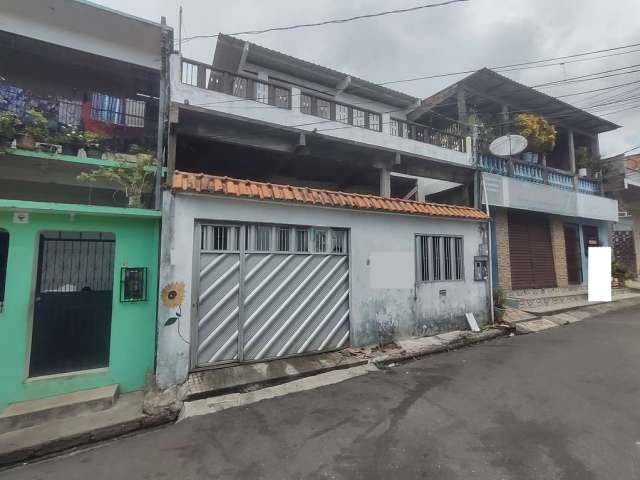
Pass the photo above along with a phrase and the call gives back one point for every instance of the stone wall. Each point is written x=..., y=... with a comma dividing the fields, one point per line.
x=502, y=249
x=556, y=227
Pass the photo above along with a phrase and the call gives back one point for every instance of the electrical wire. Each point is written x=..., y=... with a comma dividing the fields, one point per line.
x=329, y=22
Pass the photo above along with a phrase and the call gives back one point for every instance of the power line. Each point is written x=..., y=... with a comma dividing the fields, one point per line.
x=589, y=77
x=334, y=21
x=630, y=150
x=598, y=89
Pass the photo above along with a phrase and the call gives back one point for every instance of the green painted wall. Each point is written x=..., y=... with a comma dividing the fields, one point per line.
x=133, y=324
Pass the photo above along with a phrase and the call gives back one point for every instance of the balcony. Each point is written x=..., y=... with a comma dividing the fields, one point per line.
x=535, y=173
x=275, y=102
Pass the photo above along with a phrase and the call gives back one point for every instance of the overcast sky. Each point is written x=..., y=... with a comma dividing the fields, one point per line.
x=446, y=39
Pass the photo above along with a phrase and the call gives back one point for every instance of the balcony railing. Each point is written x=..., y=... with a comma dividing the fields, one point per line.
x=425, y=134
x=94, y=121
x=535, y=173
x=278, y=94
x=201, y=75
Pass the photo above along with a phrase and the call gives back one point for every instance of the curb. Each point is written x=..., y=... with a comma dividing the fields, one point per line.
x=467, y=339
x=69, y=443
x=572, y=316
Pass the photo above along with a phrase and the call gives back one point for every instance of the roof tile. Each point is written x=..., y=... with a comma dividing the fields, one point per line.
x=248, y=188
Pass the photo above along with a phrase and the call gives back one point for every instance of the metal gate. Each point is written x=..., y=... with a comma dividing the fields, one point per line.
x=269, y=291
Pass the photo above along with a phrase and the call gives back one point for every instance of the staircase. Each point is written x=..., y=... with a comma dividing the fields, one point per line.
x=549, y=301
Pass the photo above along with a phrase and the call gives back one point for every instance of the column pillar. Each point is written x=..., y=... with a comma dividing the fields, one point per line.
x=572, y=152
x=462, y=108
x=385, y=180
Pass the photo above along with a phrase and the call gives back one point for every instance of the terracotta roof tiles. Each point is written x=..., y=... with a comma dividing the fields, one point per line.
x=265, y=191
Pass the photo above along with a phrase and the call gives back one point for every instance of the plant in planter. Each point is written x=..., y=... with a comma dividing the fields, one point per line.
x=95, y=143
x=8, y=126
x=132, y=178
x=35, y=130
x=71, y=139
x=540, y=134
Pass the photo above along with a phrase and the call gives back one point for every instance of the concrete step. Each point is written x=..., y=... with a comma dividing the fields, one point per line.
x=62, y=434
x=242, y=378
x=35, y=412
x=552, y=309
x=559, y=297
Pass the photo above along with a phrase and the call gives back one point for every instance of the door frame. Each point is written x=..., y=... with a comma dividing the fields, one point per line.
x=577, y=229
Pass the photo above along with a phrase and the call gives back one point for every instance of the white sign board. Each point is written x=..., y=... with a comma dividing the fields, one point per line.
x=391, y=270
x=599, y=274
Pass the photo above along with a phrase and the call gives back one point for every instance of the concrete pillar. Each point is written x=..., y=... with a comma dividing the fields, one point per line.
x=462, y=109
x=504, y=116
x=572, y=152
x=595, y=147
x=385, y=180
x=502, y=249
x=559, y=250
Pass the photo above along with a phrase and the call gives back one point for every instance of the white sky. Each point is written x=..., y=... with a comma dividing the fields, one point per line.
x=446, y=39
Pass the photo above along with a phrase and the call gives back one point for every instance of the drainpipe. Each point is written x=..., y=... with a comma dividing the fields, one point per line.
x=162, y=111
x=490, y=250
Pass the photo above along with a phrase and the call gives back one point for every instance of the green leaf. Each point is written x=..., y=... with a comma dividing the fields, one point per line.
x=170, y=321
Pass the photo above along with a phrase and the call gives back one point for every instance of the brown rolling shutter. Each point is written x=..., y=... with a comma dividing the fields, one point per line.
x=530, y=251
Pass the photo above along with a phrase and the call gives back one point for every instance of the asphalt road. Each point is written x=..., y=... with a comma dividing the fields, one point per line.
x=562, y=404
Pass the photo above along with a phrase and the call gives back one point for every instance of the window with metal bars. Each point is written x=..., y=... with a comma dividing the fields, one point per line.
x=320, y=240
x=215, y=237
x=263, y=238
x=283, y=238
x=133, y=284
x=302, y=240
x=439, y=258
x=338, y=241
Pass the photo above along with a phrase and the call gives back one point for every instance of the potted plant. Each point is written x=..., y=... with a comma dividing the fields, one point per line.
x=583, y=161
x=132, y=178
x=8, y=124
x=35, y=130
x=71, y=139
x=540, y=134
x=95, y=144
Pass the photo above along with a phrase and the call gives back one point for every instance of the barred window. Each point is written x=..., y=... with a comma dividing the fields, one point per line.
x=358, y=117
x=374, y=122
x=324, y=109
x=305, y=104
x=338, y=241
x=439, y=258
x=283, y=239
x=320, y=240
x=342, y=113
x=302, y=240
x=215, y=237
x=263, y=237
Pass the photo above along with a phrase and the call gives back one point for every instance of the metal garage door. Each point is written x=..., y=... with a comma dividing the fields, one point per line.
x=530, y=251
x=269, y=291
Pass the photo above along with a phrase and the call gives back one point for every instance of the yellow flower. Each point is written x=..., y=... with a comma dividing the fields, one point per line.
x=173, y=294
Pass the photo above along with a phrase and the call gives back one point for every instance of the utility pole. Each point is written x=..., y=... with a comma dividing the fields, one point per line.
x=162, y=109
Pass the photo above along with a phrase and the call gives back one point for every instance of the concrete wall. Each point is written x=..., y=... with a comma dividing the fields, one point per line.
x=512, y=193
x=294, y=118
x=85, y=27
x=502, y=249
x=556, y=227
x=132, y=326
x=382, y=258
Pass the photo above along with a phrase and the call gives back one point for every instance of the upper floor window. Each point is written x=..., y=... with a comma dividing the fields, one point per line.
x=439, y=258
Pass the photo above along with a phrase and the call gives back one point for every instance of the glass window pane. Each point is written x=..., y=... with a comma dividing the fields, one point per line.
x=374, y=122
x=342, y=113
x=305, y=104
x=240, y=87
x=262, y=92
x=282, y=97
x=324, y=109
x=394, y=128
x=358, y=118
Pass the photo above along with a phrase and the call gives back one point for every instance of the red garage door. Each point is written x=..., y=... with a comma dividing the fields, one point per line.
x=530, y=251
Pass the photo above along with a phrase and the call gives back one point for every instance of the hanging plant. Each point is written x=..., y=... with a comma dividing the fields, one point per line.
x=132, y=178
x=540, y=134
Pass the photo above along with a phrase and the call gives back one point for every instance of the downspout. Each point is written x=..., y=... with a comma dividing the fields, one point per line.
x=490, y=250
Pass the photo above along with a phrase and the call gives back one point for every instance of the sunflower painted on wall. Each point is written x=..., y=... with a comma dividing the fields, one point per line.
x=172, y=297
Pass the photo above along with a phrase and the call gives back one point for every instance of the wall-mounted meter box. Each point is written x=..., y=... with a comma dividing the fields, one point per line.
x=480, y=268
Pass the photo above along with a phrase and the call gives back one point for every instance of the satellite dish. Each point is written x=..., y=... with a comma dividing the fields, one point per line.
x=508, y=145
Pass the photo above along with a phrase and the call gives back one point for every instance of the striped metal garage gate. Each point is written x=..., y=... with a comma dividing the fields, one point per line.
x=269, y=291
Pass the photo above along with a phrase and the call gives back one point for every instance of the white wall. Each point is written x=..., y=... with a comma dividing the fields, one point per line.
x=84, y=27
x=382, y=258
x=512, y=193
x=231, y=105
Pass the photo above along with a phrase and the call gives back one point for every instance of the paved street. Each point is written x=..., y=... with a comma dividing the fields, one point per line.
x=562, y=404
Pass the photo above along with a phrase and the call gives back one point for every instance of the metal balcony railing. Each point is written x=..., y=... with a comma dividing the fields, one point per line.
x=198, y=74
x=535, y=173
